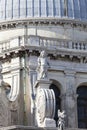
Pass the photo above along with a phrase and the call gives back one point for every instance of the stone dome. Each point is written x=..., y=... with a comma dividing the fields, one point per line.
x=15, y=9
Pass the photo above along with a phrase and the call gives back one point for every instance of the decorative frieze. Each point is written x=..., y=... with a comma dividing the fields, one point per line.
x=9, y=24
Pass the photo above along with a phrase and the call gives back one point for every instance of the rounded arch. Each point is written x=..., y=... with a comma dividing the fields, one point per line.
x=82, y=84
x=58, y=84
x=82, y=105
x=57, y=90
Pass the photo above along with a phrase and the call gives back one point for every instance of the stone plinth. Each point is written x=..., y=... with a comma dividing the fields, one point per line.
x=18, y=127
x=49, y=123
x=43, y=83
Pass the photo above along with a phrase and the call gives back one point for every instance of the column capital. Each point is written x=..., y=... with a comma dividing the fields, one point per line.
x=69, y=72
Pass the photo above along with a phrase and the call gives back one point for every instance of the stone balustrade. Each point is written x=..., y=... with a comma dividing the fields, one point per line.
x=11, y=44
x=58, y=43
x=42, y=42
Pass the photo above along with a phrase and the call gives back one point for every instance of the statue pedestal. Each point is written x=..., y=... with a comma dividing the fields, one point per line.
x=43, y=84
x=49, y=123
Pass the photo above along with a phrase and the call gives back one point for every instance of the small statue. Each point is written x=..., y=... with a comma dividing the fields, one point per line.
x=43, y=65
x=61, y=122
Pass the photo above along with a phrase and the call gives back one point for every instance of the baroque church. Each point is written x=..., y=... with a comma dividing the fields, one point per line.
x=43, y=64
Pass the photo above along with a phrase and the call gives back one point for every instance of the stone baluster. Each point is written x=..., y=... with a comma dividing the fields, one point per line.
x=45, y=42
x=70, y=45
x=84, y=46
x=79, y=46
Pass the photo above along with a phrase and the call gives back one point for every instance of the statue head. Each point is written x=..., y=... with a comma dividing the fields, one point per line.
x=43, y=53
x=61, y=114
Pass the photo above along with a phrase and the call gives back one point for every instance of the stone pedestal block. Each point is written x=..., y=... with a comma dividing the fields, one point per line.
x=49, y=123
x=43, y=84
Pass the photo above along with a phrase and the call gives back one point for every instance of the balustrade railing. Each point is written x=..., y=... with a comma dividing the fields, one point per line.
x=41, y=42
x=56, y=43
x=11, y=44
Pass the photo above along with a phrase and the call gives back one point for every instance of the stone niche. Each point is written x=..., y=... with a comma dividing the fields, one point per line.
x=5, y=115
x=8, y=111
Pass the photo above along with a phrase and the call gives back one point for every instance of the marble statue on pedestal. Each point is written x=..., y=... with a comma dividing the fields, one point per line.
x=43, y=65
x=61, y=122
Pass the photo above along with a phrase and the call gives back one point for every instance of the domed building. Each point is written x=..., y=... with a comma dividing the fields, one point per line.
x=43, y=50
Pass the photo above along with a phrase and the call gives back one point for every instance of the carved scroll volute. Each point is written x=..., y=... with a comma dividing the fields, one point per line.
x=45, y=105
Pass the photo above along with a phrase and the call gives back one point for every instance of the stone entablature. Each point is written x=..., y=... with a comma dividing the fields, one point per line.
x=8, y=24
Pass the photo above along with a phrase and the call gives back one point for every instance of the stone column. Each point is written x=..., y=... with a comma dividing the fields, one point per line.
x=70, y=100
x=27, y=92
x=32, y=79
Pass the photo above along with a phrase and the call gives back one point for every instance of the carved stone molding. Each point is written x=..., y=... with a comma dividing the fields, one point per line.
x=8, y=24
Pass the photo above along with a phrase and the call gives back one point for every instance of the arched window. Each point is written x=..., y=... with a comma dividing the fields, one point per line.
x=82, y=106
x=58, y=101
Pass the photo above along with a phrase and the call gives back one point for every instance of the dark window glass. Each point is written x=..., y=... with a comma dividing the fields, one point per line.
x=58, y=101
x=82, y=106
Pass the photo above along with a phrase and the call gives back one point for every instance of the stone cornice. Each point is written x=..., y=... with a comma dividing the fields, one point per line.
x=18, y=51
x=8, y=24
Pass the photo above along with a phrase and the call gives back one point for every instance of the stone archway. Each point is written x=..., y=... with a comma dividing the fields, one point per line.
x=82, y=106
x=57, y=92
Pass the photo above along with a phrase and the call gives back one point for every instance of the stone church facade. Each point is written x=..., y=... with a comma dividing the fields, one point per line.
x=59, y=28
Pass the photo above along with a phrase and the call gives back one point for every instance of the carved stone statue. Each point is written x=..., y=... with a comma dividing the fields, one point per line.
x=61, y=122
x=43, y=66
